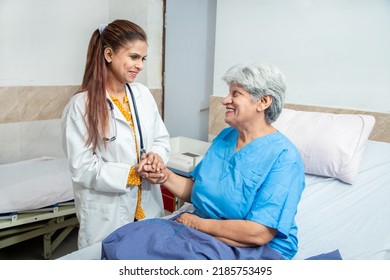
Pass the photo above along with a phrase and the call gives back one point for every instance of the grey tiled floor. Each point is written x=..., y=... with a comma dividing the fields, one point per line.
x=32, y=249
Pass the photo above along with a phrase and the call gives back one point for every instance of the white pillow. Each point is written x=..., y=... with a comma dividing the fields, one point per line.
x=331, y=145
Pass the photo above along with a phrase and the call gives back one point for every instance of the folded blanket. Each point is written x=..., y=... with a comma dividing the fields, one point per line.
x=334, y=255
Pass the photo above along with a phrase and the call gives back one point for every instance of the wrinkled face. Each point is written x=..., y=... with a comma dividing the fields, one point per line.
x=125, y=64
x=241, y=110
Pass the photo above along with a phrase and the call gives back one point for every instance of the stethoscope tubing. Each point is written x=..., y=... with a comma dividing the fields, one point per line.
x=142, y=149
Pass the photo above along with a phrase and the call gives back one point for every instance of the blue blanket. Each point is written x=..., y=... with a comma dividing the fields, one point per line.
x=333, y=255
x=163, y=239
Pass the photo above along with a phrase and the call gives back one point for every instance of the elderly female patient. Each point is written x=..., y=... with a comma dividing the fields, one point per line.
x=245, y=191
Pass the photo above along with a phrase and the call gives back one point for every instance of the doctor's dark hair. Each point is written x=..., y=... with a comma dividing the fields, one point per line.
x=114, y=35
x=260, y=80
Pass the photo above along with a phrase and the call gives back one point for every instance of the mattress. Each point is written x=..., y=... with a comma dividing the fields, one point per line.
x=351, y=218
x=332, y=215
x=33, y=184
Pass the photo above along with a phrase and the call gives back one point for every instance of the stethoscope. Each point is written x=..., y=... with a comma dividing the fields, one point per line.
x=113, y=122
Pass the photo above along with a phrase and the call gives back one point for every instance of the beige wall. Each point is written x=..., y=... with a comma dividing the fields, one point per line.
x=34, y=103
x=381, y=131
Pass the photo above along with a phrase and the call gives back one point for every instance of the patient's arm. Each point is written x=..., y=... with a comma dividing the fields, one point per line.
x=241, y=233
x=178, y=185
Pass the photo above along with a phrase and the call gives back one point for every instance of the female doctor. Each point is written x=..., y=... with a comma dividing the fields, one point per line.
x=108, y=127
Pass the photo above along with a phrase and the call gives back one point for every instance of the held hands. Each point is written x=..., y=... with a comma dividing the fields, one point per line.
x=152, y=168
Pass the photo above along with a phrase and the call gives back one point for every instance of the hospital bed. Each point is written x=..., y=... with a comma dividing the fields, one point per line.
x=36, y=199
x=345, y=206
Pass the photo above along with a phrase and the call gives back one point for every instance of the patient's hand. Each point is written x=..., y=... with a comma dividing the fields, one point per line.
x=190, y=220
x=156, y=177
x=152, y=168
x=150, y=162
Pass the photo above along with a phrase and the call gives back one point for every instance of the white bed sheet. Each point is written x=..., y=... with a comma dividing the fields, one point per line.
x=33, y=184
x=333, y=215
x=351, y=218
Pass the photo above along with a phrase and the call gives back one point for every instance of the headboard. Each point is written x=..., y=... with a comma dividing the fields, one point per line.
x=380, y=132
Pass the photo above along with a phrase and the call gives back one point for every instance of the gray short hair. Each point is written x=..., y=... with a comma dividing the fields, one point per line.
x=260, y=80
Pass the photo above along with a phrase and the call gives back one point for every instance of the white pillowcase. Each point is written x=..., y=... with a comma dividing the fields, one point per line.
x=331, y=145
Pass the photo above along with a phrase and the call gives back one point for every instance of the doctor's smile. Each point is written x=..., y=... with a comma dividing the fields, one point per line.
x=133, y=74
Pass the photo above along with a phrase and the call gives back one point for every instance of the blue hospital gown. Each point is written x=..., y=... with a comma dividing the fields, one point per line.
x=262, y=182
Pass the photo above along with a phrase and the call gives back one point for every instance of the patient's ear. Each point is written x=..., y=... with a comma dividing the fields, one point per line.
x=264, y=102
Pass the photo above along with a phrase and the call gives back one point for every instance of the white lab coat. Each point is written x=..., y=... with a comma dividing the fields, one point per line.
x=103, y=201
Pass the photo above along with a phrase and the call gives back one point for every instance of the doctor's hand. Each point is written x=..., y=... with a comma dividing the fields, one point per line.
x=152, y=168
x=156, y=177
x=151, y=162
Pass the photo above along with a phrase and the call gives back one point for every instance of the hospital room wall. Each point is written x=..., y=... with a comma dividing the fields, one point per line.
x=188, y=73
x=334, y=53
x=43, y=47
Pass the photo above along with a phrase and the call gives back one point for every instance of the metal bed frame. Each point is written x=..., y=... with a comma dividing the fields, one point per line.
x=54, y=223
